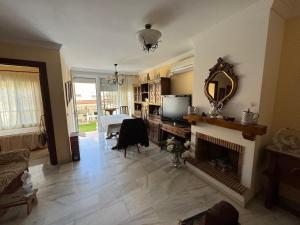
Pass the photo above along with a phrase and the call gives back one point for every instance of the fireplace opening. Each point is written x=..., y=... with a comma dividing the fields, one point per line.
x=219, y=157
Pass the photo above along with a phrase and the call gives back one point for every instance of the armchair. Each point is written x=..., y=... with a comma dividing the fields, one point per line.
x=12, y=166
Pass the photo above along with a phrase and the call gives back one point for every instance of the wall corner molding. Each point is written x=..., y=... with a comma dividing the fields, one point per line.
x=32, y=43
x=286, y=8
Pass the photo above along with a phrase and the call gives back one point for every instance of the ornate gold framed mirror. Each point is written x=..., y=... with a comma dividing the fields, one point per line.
x=221, y=84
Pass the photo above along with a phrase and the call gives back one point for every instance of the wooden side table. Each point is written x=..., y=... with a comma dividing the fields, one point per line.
x=16, y=199
x=74, y=141
x=283, y=168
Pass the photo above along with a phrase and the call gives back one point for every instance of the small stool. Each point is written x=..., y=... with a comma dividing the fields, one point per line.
x=16, y=199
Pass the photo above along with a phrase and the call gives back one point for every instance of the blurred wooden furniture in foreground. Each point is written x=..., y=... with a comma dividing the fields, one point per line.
x=283, y=168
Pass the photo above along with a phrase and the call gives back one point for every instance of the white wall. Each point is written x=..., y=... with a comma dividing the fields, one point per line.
x=251, y=41
x=240, y=40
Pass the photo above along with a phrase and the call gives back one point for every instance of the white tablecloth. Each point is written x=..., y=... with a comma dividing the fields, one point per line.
x=112, y=123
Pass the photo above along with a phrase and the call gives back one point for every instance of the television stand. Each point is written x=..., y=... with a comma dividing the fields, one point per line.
x=181, y=132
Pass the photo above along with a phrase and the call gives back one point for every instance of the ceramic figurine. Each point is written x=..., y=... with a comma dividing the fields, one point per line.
x=216, y=111
x=192, y=110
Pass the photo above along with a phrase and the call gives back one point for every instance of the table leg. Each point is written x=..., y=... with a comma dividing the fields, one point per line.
x=3, y=211
x=30, y=202
x=272, y=193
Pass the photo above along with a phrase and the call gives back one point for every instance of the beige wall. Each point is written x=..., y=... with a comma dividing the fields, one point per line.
x=66, y=74
x=181, y=84
x=52, y=59
x=271, y=71
x=287, y=104
x=287, y=98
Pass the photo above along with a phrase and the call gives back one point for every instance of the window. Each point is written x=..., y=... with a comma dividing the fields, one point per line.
x=109, y=95
x=20, y=100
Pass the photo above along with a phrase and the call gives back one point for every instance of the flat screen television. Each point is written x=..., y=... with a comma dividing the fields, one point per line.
x=175, y=106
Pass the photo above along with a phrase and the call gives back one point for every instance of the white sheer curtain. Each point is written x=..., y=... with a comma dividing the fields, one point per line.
x=126, y=93
x=20, y=100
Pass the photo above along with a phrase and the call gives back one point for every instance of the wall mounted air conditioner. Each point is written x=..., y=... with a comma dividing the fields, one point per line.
x=182, y=66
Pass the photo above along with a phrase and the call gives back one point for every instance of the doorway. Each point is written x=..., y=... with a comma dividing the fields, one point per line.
x=45, y=96
x=86, y=108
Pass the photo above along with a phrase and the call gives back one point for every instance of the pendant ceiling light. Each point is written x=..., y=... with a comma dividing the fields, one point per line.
x=149, y=38
x=116, y=79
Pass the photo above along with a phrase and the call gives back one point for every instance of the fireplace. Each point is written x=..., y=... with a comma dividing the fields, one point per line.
x=222, y=155
x=220, y=159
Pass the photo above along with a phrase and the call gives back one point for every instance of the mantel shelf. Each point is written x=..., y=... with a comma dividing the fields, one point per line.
x=249, y=132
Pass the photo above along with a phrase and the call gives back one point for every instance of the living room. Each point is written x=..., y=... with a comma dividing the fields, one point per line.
x=173, y=87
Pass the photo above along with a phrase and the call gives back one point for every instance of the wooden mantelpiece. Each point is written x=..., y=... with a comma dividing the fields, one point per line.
x=249, y=132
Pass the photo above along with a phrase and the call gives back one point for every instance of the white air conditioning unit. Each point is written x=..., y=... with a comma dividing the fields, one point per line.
x=182, y=66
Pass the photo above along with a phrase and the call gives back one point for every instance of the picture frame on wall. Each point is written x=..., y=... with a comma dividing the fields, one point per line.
x=68, y=91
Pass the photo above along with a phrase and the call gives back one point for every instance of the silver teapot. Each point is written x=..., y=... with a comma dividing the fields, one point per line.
x=249, y=117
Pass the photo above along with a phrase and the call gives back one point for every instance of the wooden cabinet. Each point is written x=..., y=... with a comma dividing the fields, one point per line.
x=150, y=91
x=154, y=131
x=158, y=93
x=137, y=93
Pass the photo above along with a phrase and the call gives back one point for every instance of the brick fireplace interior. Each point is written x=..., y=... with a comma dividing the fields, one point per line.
x=220, y=159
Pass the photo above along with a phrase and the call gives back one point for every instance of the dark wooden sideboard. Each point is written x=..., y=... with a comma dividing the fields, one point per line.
x=158, y=130
x=282, y=168
x=182, y=133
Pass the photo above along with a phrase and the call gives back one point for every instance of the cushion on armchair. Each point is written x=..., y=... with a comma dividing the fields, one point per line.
x=12, y=165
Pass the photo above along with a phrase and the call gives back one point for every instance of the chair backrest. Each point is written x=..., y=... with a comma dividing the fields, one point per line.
x=133, y=131
x=124, y=110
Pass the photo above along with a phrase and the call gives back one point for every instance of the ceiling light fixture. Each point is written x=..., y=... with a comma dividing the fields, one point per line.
x=149, y=38
x=116, y=79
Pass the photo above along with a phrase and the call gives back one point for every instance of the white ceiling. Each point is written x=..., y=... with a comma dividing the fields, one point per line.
x=95, y=34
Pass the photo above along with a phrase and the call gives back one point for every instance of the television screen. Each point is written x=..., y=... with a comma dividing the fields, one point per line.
x=175, y=106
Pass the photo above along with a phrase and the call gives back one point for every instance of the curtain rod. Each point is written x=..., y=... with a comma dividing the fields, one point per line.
x=18, y=71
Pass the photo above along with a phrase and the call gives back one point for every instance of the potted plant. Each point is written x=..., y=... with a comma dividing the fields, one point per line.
x=176, y=148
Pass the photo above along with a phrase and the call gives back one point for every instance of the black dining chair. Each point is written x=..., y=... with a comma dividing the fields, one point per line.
x=124, y=110
x=132, y=132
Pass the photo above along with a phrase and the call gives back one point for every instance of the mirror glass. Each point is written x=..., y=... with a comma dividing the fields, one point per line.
x=220, y=86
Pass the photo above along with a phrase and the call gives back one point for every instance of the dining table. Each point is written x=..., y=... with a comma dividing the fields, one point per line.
x=111, y=124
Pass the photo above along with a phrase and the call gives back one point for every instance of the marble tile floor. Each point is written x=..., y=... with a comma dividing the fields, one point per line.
x=105, y=188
